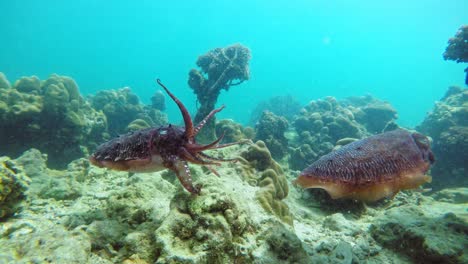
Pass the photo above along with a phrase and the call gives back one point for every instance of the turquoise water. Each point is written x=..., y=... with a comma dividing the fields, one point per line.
x=309, y=49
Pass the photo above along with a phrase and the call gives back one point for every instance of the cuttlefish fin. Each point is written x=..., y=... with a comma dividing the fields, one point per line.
x=182, y=170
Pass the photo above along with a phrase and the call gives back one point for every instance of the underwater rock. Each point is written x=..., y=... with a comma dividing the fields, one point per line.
x=270, y=129
x=286, y=245
x=50, y=116
x=425, y=239
x=285, y=106
x=48, y=183
x=453, y=195
x=259, y=169
x=43, y=242
x=13, y=185
x=447, y=125
x=207, y=228
x=4, y=83
x=221, y=68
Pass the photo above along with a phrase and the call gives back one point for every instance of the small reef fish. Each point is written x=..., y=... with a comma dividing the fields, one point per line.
x=158, y=148
x=372, y=168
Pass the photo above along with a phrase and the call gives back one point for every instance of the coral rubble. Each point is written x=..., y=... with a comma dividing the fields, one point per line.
x=221, y=68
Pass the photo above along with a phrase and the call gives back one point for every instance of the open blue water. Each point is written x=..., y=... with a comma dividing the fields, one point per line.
x=306, y=48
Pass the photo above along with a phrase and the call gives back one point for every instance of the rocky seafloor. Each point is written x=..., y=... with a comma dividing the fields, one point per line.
x=250, y=214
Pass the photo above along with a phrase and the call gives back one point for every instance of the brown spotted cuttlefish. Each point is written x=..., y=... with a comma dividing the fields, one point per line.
x=158, y=148
x=372, y=168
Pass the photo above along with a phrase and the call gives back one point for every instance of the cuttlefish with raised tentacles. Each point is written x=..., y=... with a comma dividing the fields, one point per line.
x=166, y=147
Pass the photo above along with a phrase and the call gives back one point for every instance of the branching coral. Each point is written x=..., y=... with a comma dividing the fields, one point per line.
x=221, y=68
x=457, y=49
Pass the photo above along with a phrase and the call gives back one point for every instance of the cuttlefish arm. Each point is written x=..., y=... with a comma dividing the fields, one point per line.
x=182, y=170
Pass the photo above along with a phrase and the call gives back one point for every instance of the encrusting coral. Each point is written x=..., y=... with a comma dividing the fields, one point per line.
x=221, y=68
x=457, y=49
x=259, y=169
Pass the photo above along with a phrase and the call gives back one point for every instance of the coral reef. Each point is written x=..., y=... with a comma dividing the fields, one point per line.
x=49, y=115
x=286, y=106
x=323, y=122
x=221, y=68
x=122, y=108
x=457, y=49
x=259, y=169
x=13, y=185
x=144, y=218
x=270, y=129
x=447, y=124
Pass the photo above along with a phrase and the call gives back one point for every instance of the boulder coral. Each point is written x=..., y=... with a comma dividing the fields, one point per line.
x=447, y=124
x=221, y=68
x=270, y=129
x=13, y=185
x=259, y=169
x=49, y=115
